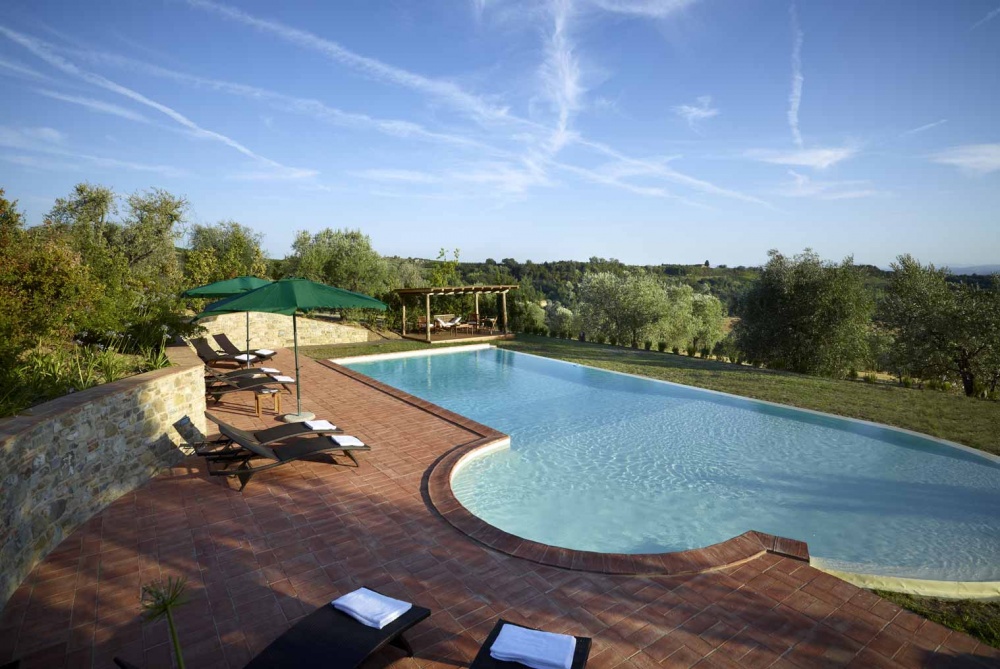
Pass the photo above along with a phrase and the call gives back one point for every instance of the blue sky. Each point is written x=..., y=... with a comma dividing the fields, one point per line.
x=647, y=130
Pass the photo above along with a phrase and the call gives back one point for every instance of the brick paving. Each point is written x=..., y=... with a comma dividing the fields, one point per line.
x=299, y=536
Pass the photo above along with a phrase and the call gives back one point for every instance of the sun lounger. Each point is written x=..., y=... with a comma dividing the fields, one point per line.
x=231, y=437
x=229, y=347
x=332, y=639
x=220, y=386
x=211, y=373
x=241, y=464
x=211, y=357
x=486, y=661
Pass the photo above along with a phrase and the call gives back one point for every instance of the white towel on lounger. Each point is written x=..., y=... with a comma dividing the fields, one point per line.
x=539, y=650
x=264, y=351
x=370, y=608
x=320, y=425
x=346, y=440
x=283, y=379
x=270, y=370
x=243, y=357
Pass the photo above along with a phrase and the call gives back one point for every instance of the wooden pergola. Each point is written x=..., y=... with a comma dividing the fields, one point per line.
x=434, y=291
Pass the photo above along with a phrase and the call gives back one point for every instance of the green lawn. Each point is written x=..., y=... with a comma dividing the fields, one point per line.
x=949, y=416
x=978, y=619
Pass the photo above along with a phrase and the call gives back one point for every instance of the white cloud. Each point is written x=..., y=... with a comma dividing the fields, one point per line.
x=43, y=51
x=44, y=134
x=657, y=9
x=986, y=19
x=795, y=97
x=96, y=105
x=445, y=90
x=925, y=127
x=818, y=158
x=694, y=114
x=804, y=186
x=560, y=74
x=979, y=158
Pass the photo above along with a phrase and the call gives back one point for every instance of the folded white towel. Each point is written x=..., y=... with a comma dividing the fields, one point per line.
x=320, y=425
x=539, y=650
x=264, y=351
x=243, y=357
x=370, y=608
x=283, y=379
x=346, y=440
x=270, y=370
x=268, y=391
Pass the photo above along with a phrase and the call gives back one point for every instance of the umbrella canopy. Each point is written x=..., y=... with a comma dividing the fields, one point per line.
x=288, y=297
x=227, y=288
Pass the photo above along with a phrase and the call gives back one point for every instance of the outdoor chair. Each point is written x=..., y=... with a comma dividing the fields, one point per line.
x=218, y=386
x=284, y=453
x=486, y=661
x=227, y=346
x=447, y=325
x=227, y=445
x=212, y=374
x=210, y=356
x=331, y=639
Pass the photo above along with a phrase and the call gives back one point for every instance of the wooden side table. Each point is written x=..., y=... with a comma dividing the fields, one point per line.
x=263, y=393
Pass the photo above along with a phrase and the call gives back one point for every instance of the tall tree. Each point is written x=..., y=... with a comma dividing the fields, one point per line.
x=806, y=315
x=941, y=328
x=624, y=306
x=222, y=251
x=342, y=258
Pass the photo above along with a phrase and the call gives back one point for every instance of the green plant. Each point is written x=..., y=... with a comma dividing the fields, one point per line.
x=675, y=350
x=159, y=600
x=661, y=346
x=852, y=374
x=649, y=345
x=906, y=382
x=705, y=352
x=600, y=339
x=155, y=357
x=613, y=340
x=870, y=378
x=691, y=350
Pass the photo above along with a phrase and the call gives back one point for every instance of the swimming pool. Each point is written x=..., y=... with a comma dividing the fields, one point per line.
x=608, y=462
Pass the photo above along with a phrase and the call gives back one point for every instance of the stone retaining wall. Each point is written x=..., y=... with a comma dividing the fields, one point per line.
x=63, y=461
x=275, y=331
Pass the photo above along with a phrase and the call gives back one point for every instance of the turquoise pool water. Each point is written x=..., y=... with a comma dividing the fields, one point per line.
x=607, y=462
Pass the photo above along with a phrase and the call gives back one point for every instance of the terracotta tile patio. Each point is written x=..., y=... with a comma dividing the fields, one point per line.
x=300, y=535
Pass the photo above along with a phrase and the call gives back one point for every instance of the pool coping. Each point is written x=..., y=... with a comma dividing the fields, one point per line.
x=437, y=488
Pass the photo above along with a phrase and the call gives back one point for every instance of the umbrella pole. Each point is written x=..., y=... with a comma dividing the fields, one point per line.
x=247, y=351
x=298, y=379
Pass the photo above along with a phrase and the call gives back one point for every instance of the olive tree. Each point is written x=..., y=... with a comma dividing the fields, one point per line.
x=806, y=315
x=341, y=258
x=942, y=328
x=622, y=306
x=222, y=251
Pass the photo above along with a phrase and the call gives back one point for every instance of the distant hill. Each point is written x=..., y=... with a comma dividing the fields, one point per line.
x=976, y=269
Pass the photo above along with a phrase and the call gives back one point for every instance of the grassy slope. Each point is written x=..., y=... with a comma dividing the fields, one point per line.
x=953, y=417
x=978, y=619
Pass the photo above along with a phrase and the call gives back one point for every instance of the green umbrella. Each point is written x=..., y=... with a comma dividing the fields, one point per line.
x=229, y=288
x=288, y=297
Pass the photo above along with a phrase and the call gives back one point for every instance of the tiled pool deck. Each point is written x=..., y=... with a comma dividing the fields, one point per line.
x=300, y=535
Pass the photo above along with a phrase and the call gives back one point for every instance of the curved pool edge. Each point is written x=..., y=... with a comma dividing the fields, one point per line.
x=724, y=555
x=979, y=590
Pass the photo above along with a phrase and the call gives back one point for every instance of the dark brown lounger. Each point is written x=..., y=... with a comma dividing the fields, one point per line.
x=486, y=661
x=239, y=464
x=210, y=356
x=212, y=373
x=232, y=349
x=216, y=389
x=231, y=437
x=330, y=639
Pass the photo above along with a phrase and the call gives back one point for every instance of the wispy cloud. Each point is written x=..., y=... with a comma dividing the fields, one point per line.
x=657, y=9
x=96, y=105
x=803, y=186
x=923, y=128
x=695, y=114
x=397, y=175
x=445, y=90
x=560, y=74
x=818, y=158
x=992, y=14
x=12, y=67
x=795, y=97
x=977, y=158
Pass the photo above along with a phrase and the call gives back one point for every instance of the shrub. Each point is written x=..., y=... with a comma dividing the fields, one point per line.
x=906, y=382
x=661, y=347
x=675, y=350
x=600, y=339
x=613, y=340
x=852, y=374
x=870, y=378
x=649, y=345
x=705, y=352
x=691, y=350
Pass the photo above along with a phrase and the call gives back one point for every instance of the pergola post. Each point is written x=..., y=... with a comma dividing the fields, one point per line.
x=477, y=311
x=404, y=316
x=428, y=304
x=503, y=298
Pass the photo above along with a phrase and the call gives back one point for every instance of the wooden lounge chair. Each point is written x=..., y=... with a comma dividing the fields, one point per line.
x=220, y=386
x=229, y=347
x=240, y=465
x=210, y=356
x=228, y=444
x=213, y=374
x=486, y=661
x=331, y=639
